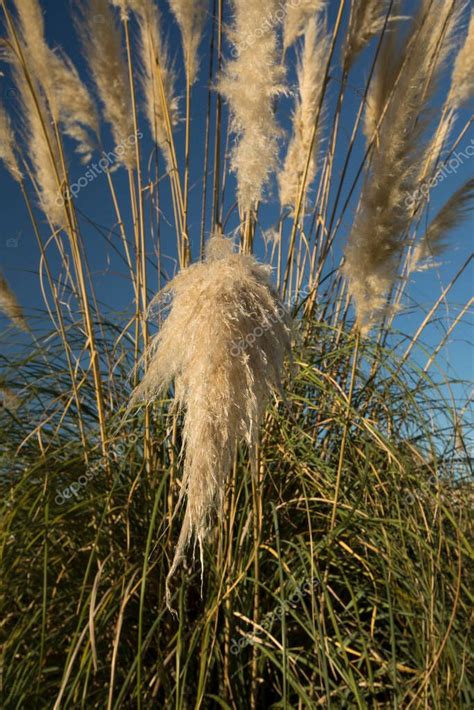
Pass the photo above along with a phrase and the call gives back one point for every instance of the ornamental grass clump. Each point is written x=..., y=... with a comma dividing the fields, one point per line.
x=331, y=511
x=222, y=345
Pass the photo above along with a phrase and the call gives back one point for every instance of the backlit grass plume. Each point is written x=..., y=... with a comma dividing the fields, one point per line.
x=103, y=50
x=462, y=82
x=43, y=151
x=366, y=21
x=297, y=17
x=157, y=76
x=190, y=16
x=10, y=306
x=303, y=146
x=451, y=215
x=223, y=345
x=250, y=83
x=380, y=230
x=7, y=146
x=68, y=100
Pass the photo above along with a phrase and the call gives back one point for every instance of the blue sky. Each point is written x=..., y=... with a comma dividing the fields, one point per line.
x=19, y=254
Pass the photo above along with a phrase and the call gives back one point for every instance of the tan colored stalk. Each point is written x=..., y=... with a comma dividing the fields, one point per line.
x=137, y=205
x=432, y=311
x=61, y=327
x=53, y=145
x=190, y=15
x=447, y=334
x=205, y=172
x=187, y=145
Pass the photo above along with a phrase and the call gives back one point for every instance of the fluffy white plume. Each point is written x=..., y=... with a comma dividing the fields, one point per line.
x=453, y=213
x=77, y=111
x=191, y=16
x=67, y=97
x=250, y=83
x=153, y=59
x=380, y=229
x=310, y=86
x=223, y=345
x=43, y=153
x=366, y=21
x=10, y=306
x=103, y=50
x=297, y=17
x=7, y=142
x=462, y=81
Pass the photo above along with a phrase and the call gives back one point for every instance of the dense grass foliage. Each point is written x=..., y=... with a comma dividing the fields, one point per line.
x=306, y=599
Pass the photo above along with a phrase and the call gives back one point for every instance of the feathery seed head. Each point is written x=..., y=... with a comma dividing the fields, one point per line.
x=7, y=142
x=297, y=17
x=159, y=95
x=462, y=80
x=10, y=306
x=190, y=16
x=66, y=97
x=366, y=21
x=102, y=42
x=456, y=210
x=223, y=345
x=250, y=82
x=380, y=230
x=310, y=87
x=43, y=152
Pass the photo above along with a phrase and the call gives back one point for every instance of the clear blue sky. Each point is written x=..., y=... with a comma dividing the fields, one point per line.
x=19, y=254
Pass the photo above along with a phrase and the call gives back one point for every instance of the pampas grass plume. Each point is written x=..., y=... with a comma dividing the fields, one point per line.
x=153, y=58
x=380, y=230
x=297, y=17
x=310, y=87
x=43, y=153
x=7, y=142
x=10, y=306
x=68, y=99
x=365, y=22
x=462, y=81
x=223, y=345
x=103, y=50
x=451, y=215
x=190, y=16
x=250, y=82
